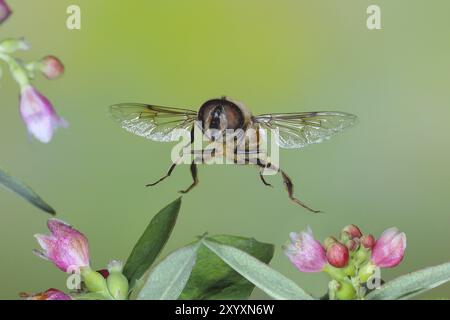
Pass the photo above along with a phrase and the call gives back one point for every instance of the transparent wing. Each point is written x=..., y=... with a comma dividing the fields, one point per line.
x=297, y=130
x=153, y=122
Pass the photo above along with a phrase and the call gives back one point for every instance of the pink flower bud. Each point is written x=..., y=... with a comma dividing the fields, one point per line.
x=305, y=252
x=50, y=294
x=353, y=231
x=5, y=11
x=389, y=249
x=352, y=245
x=38, y=114
x=337, y=255
x=368, y=241
x=51, y=67
x=66, y=247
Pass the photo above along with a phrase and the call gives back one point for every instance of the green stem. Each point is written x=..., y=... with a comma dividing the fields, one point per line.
x=18, y=72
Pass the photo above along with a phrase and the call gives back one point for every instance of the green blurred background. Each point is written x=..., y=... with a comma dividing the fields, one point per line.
x=276, y=56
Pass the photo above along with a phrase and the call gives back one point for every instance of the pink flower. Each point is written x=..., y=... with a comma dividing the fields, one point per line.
x=38, y=114
x=337, y=255
x=5, y=11
x=389, y=249
x=66, y=247
x=51, y=67
x=305, y=252
x=50, y=294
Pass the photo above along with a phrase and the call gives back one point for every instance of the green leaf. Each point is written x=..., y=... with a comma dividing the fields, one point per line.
x=260, y=274
x=212, y=278
x=24, y=191
x=167, y=280
x=412, y=284
x=151, y=242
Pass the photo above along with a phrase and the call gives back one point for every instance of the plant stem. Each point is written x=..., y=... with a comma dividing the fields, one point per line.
x=18, y=72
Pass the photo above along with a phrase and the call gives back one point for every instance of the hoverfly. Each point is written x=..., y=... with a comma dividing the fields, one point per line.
x=295, y=130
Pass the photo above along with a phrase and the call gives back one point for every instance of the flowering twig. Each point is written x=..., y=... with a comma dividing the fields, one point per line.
x=36, y=110
x=351, y=262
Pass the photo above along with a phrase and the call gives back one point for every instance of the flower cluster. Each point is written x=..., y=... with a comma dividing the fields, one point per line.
x=68, y=249
x=351, y=261
x=36, y=110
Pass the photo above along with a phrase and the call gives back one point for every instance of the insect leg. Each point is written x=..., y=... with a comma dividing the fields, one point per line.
x=169, y=172
x=290, y=189
x=263, y=165
x=194, y=177
x=264, y=180
x=172, y=167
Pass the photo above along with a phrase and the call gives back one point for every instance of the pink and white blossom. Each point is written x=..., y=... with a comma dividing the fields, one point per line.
x=389, y=249
x=39, y=115
x=66, y=247
x=305, y=252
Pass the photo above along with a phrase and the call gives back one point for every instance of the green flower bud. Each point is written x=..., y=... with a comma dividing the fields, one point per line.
x=346, y=291
x=94, y=281
x=117, y=283
x=366, y=271
x=118, y=286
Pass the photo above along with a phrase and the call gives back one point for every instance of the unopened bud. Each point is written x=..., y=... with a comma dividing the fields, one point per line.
x=352, y=245
x=337, y=255
x=346, y=291
x=353, y=231
x=345, y=236
x=366, y=271
x=51, y=67
x=93, y=280
x=117, y=283
x=368, y=241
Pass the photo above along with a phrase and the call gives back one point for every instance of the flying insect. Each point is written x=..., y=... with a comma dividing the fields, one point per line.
x=217, y=117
